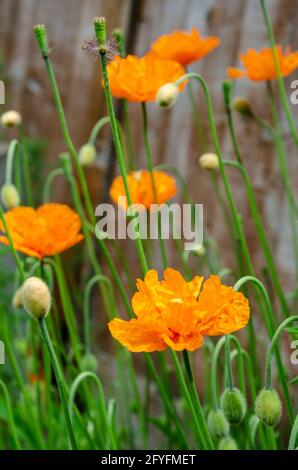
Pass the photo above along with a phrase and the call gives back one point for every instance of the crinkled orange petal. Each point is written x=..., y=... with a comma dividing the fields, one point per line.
x=183, y=46
x=46, y=231
x=223, y=309
x=235, y=73
x=139, y=78
x=135, y=337
x=141, y=188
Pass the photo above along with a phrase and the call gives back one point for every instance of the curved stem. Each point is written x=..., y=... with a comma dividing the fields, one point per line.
x=12, y=149
x=59, y=380
x=270, y=325
x=294, y=434
x=101, y=401
x=48, y=183
x=280, y=82
x=228, y=362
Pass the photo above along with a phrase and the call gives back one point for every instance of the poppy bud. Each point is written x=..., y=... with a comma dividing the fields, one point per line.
x=217, y=424
x=89, y=362
x=41, y=38
x=100, y=33
x=167, y=95
x=87, y=154
x=199, y=249
x=17, y=300
x=209, y=161
x=36, y=297
x=11, y=119
x=268, y=407
x=242, y=105
x=10, y=196
x=227, y=443
x=233, y=404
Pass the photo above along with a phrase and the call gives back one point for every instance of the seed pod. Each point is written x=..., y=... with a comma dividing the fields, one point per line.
x=242, y=105
x=209, y=161
x=167, y=95
x=10, y=196
x=89, y=362
x=268, y=407
x=233, y=405
x=227, y=443
x=217, y=424
x=87, y=154
x=36, y=297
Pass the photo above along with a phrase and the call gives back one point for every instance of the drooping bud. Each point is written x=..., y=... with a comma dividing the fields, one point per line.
x=199, y=249
x=268, y=407
x=209, y=161
x=41, y=38
x=100, y=33
x=11, y=118
x=233, y=405
x=227, y=443
x=10, y=196
x=242, y=105
x=36, y=297
x=167, y=95
x=217, y=424
x=87, y=154
x=17, y=300
x=89, y=362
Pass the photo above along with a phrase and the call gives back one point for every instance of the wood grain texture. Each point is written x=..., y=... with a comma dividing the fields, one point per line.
x=173, y=137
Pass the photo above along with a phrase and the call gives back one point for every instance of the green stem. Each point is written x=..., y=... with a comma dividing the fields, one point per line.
x=294, y=434
x=261, y=234
x=26, y=166
x=59, y=380
x=10, y=417
x=119, y=154
x=48, y=183
x=12, y=149
x=228, y=362
x=196, y=116
x=280, y=82
x=150, y=169
x=270, y=325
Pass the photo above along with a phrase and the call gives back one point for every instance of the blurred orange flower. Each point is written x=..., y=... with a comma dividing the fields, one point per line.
x=183, y=46
x=140, y=78
x=46, y=231
x=178, y=314
x=259, y=65
x=141, y=190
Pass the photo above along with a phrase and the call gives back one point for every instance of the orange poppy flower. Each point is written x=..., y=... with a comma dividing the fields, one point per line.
x=141, y=190
x=178, y=314
x=46, y=231
x=259, y=65
x=140, y=78
x=183, y=46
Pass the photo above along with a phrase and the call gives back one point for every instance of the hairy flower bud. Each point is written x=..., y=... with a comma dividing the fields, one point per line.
x=209, y=161
x=268, y=407
x=11, y=119
x=242, y=105
x=217, y=423
x=87, y=154
x=100, y=33
x=36, y=297
x=227, y=443
x=233, y=404
x=10, y=196
x=167, y=95
x=41, y=38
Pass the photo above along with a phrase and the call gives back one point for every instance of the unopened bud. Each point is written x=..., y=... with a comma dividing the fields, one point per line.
x=233, y=404
x=167, y=95
x=199, y=249
x=10, y=196
x=87, y=154
x=217, y=424
x=209, y=161
x=227, y=443
x=242, y=105
x=11, y=119
x=36, y=297
x=268, y=407
x=89, y=362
